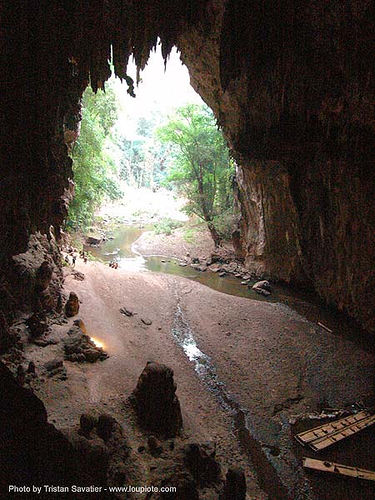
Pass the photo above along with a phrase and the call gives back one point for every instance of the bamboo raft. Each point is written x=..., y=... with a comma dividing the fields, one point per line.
x=328, y=434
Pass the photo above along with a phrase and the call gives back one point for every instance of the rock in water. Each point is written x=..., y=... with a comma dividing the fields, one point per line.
x=94, y=239
x=235, y=485
x=155, y=401
x=262, y=287
x=200, y=460
x=72, y=305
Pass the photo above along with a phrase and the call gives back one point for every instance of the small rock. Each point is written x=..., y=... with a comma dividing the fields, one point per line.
x=154, y=446
x=126, y=312
x=37, y=324
x=77, y=275
x=222, y=274
x=244, y=283
x=45, y=341
x=186, y=488
x=105, y=426
x=182, y=264
x=146, y=321
x=20, y=375
x=31, y=368
x=81, y=325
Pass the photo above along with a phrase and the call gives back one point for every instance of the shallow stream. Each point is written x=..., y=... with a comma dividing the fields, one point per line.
x=120, y=248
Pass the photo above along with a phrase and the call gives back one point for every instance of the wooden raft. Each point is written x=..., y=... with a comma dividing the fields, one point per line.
x=345, y=470
x=327, y=434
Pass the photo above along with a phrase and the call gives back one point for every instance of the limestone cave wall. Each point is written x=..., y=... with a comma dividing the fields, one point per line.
x=291, y=84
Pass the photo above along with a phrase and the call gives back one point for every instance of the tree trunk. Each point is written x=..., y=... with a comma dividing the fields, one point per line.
x=214, y=234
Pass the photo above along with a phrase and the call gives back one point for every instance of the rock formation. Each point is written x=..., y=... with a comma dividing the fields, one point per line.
x=79, y=347
x=235, y=485
x=72, y=305
x=32, y=451
x=200, y=460
x=155, y=401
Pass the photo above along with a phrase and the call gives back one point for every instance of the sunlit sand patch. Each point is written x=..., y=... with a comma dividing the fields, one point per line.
x=97, y=342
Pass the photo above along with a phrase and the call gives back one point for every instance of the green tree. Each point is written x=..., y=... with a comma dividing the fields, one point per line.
x=92, y=166
x=144, y=159
x=202, y=170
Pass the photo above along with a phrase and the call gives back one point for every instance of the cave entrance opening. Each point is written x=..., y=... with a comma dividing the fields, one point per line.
x=155, y=160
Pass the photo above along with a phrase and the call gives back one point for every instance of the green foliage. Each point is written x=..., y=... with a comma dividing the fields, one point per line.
x=92, y=166
x=202, y=170
x=144, y=159
x=167, y=226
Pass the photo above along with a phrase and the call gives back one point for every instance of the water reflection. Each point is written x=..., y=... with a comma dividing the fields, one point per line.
x=119, y=249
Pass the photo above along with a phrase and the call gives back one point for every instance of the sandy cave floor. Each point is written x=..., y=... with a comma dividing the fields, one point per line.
x=273, y=362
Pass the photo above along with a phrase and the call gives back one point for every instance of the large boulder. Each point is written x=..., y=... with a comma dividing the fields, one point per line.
x=72, y=305
x=32, y=451
x=79, y=347
x=262, y=287
x=94, y=239
x=155, y=401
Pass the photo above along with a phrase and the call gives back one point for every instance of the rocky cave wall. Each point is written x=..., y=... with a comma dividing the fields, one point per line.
x=291, y=83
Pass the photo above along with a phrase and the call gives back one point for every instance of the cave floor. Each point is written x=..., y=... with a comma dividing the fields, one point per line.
x=273, y=363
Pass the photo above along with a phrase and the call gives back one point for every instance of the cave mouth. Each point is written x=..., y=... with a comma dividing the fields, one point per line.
x=292, y=90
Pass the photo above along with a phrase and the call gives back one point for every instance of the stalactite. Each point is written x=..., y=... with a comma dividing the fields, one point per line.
x=128, y=27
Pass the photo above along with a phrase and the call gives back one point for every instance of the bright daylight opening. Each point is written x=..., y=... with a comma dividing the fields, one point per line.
x=154, y=180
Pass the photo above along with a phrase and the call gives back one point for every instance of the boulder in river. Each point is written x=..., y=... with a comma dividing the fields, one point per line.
x=94, y=239
x=155, y=401
x=262, y=287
